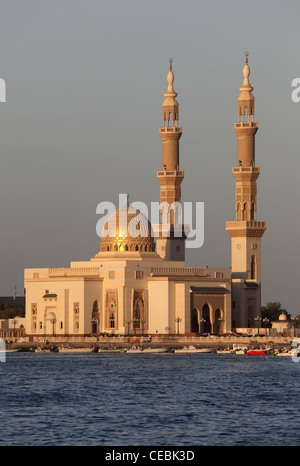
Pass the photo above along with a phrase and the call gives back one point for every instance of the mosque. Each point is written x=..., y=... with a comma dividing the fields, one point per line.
x=140, y=284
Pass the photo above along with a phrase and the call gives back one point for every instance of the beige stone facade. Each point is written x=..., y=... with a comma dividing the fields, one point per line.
x=135, y=285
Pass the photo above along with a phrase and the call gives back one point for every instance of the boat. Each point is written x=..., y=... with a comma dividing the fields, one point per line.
x=13, y=350
x=192, y=349
x=139, y=350
x=258, y=352
x=224, y=351
x=155, y=350
x=286, y=353
x=26, y=350
x=237, y=349
x=54, y=349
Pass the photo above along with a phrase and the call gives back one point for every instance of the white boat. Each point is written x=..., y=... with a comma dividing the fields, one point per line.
x=192, y=349
x=155, y=350
x=146, y=350
x=224, y=351
x=237, y=349
x=8, y=351
x=286, y=353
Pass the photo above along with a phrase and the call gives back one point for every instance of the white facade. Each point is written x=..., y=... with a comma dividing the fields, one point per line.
x=107, y=293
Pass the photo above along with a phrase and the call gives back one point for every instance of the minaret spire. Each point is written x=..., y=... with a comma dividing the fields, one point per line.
x=170, y=105
x=246, y=231
x=170, y=176
x=246, y=99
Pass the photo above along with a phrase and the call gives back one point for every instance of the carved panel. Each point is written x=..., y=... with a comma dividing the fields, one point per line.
x=111, y=309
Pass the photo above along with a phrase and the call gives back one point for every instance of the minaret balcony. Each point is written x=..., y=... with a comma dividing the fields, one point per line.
x=246, y=228
x=170, y=129
x=176, y=173
x=246, y=124
x=245, y=174
x=245, y=169
x=246, y=223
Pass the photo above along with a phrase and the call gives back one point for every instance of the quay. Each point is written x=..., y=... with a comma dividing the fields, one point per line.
x=115, y=344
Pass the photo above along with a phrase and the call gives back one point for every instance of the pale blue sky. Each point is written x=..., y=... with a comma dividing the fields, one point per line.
x=85, y=82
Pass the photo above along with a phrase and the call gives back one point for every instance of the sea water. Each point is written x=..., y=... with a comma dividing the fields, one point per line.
x=149, y=399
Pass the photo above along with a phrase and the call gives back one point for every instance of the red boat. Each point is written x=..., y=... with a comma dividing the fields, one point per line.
x=258, y=352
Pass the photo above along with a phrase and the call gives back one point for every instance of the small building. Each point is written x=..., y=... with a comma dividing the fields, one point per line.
x=11, y=329
x=283, y=326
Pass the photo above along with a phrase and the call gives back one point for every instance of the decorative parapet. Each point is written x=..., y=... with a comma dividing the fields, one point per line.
x=246, y=228
x=158, y=271
x=246, y=124
x=170, y=173
x=246, y=224
x=245, y=169
x=74, y=272
x=170, y=129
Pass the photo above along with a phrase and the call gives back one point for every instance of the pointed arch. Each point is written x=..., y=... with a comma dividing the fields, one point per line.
x=206, y=318
x=195, y=320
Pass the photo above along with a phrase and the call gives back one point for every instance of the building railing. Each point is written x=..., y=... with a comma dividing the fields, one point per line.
x=170, y=172
x=248, y=224
x=245, y=169
x=74, y=272
x=179, y=271
x=170, y=129
x=246, y=124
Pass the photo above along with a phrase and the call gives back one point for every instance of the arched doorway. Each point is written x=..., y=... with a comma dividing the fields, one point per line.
x=205, y=321
x=195, y=321
x=51, y=324
x=218, y=323
x=95, y=317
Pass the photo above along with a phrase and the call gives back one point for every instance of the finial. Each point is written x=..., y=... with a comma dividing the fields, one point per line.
x=246, y=55
x=171, y=61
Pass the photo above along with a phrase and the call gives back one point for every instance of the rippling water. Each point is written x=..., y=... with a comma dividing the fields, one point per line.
x=158, y=400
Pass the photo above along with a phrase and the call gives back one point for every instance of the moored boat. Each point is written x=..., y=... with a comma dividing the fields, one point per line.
x=237, y=349
x=192, y=349
x=258, y=352
x=139, y=350
x=286, y=353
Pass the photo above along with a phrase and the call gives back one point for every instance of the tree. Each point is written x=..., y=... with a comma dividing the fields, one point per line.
x=8, y=313
x=272, y=311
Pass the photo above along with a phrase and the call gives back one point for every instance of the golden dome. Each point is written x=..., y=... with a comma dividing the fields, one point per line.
x=127, y=229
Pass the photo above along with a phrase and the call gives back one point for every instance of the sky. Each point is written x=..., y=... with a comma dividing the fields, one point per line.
x=84, y=88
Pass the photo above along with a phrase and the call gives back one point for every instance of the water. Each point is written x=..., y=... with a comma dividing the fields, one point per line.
x=157, y=400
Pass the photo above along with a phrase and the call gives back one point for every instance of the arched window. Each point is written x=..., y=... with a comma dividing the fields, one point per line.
x=253, y=268
x=195, y=321
x=218, y=324
x=205, y=319
x=246, y=211
x=252, y=211
x=238, y=211
x=112, y=320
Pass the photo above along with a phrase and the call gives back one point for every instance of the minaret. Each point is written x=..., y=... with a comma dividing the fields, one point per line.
x=246, y=231
x=170, y=239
